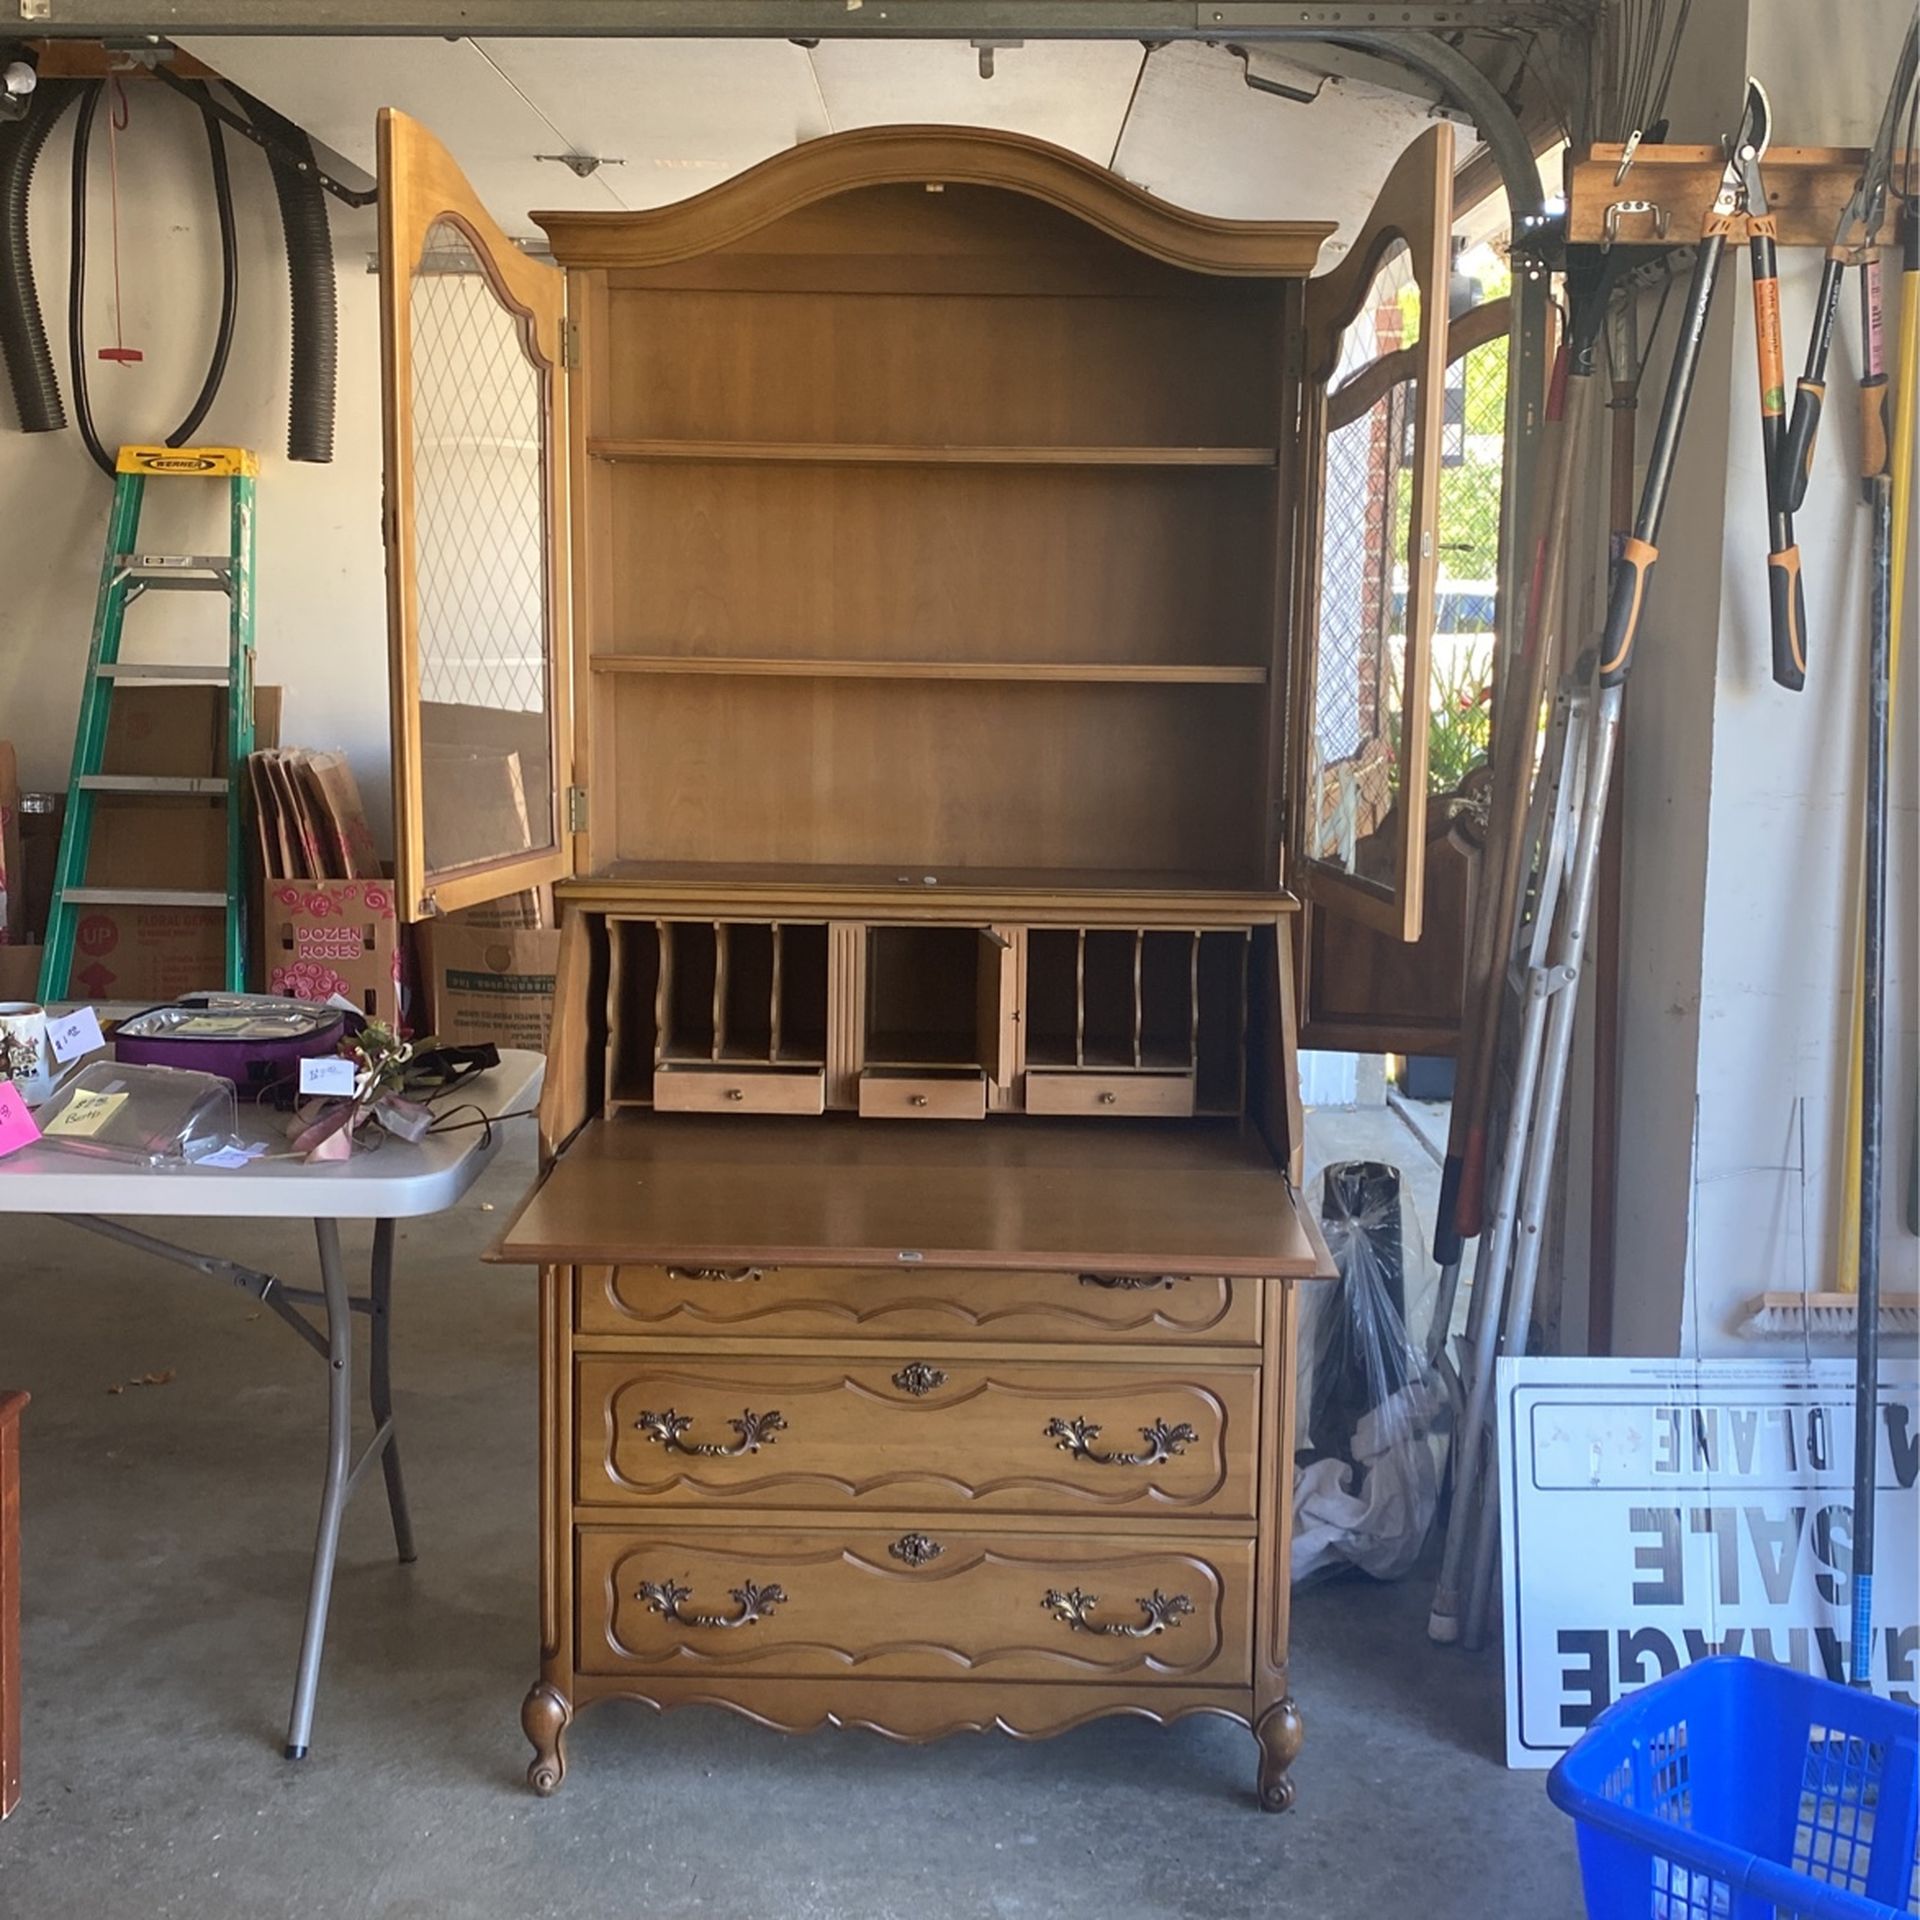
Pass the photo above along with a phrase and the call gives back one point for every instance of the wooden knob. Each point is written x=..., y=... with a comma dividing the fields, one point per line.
x=1107, y=1096
x=919, y=1099
x=736, y=1093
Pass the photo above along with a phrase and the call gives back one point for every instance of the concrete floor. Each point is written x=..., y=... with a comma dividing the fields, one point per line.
x=166, y=1537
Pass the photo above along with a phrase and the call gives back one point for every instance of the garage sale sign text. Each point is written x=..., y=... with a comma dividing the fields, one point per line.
x=1656, y=1512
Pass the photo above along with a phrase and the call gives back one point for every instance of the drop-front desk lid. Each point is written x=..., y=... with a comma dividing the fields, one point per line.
x=1106, y=1195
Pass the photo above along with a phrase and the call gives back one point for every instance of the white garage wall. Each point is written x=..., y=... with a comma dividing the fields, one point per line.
x=1743, y=801
x=320, y=580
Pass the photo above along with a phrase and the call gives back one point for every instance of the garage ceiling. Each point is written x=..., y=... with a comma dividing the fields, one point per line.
x=681, y=115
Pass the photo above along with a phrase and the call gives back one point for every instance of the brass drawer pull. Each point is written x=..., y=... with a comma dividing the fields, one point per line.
x=1158, y=1610
x=918, y=1378
x=916, y=1549
x=755, y=1603
x=755, y=1430
x=1163, y=1442
x=716, y=1273
x=1130, y=1282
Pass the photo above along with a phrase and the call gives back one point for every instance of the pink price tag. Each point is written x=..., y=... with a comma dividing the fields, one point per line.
x=18, y=1128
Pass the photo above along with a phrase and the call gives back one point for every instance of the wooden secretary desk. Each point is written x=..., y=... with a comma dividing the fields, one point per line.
x=872, y=589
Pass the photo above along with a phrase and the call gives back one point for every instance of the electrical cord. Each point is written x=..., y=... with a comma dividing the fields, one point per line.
x=77, y=277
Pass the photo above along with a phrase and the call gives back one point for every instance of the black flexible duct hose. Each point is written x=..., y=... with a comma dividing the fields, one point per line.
x=23, y=337
x=229, y=274
x=303, y=219
x=77, y=278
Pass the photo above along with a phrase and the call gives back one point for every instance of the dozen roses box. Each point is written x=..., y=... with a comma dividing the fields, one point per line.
x=326, y=937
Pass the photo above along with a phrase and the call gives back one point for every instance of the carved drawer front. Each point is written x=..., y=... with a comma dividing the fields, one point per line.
x=917, y=1431
x=918, y=1303
x=931, y=1603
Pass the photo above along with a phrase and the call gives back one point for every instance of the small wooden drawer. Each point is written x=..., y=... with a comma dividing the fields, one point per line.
x=1158, y=1096
x=934, y=1430
x=930, y=1603
x=922, y=1096
x=918, y=1303
x=748, y=1089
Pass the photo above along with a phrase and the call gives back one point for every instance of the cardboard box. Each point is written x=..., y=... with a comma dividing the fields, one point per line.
x=489, y=982
x=322, y=937
x=20, y=972
x=147, y=953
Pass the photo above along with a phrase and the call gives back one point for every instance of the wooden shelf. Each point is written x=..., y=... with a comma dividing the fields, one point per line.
x=1116, y=672
x=838, y=453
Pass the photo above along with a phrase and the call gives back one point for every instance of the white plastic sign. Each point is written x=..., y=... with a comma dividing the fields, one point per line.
x=1653, y=1512
x=327, y=1074
x=73, y=1034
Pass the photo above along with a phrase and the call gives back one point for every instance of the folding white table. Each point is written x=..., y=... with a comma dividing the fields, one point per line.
x=393, y=1182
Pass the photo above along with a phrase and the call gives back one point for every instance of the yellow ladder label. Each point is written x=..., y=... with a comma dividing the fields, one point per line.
x=213, y=462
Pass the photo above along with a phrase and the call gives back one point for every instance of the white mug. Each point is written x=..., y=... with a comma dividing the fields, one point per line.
x=25, y=1057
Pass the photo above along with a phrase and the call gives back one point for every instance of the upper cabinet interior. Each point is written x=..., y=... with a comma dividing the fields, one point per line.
x=933, y=514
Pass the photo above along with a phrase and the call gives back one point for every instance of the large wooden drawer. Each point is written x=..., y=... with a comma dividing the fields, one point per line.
x=918, y=1303
x=930, y=1603
x=936, y=1430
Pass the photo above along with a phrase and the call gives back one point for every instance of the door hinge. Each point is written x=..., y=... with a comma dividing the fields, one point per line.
x=570, y=345
x=1295, y=355
x=576, y=809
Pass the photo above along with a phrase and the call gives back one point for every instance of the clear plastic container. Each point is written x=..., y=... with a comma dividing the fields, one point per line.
x=144, y=1116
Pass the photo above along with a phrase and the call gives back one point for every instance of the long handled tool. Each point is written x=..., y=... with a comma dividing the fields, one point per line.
x=1550, y=1002
x=1854, y=245
x=1879, y=485
x=1786, y=596
x=1906, y=427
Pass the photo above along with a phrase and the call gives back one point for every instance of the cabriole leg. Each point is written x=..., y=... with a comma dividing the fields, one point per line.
x=1280, y=1733
x=545, y=1715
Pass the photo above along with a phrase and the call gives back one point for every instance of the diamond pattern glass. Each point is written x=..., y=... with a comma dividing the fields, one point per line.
x=1366, y=498
x=479, y=498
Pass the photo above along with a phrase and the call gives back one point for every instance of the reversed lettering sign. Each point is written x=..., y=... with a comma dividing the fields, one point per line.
x=1653, y=1512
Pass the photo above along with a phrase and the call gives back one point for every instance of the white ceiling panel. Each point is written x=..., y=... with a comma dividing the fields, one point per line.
x=1199, y=136
x=679, y=115
x=334, y=87
x=1073, y=93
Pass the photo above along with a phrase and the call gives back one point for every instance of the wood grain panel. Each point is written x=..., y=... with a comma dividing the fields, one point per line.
x=910, y=1303
x=926, y=1604
x=1114, y=1096
x=1094, y=1196
x=921, y=775
x=1051, y=370
x=1044, y=562
x=947, y=160
x=12, y=1403
x=735, y=1089
x=887, y=1094
x=926, y=1430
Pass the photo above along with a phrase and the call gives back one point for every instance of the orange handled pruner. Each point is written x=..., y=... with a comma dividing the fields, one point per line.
x=1786, y=599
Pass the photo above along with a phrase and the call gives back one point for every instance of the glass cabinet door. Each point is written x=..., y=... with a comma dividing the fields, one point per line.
x=1376, y=356
x=471, y=337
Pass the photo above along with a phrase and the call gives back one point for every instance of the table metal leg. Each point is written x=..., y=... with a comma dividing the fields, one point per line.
x=333, y=1496
x=380, y=1388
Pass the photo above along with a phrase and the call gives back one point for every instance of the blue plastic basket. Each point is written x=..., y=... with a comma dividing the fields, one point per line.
x=1738, y=1790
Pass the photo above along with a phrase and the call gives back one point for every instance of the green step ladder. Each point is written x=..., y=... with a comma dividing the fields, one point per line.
x=126, y=574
